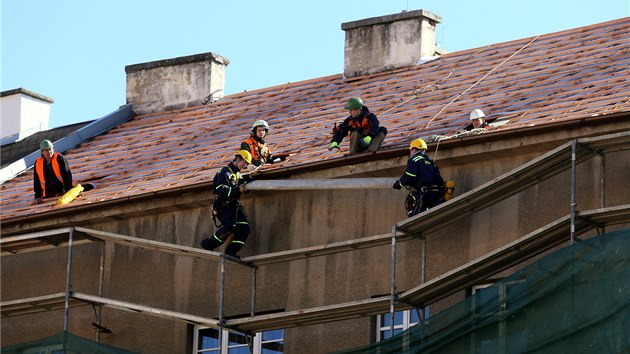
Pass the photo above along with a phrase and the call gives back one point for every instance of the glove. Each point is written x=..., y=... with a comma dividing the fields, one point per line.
x=397, y=185
x=365, y=142
x=333, y=145
x=242, y=189
x=255, y=173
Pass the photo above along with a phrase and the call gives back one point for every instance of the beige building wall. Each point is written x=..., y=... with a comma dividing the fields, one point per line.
x=295, y=219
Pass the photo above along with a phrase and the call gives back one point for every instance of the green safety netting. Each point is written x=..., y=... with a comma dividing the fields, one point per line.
x=63, y=343
x=575, y=300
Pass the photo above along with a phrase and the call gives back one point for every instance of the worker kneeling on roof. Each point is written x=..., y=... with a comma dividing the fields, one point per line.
x=228, y=186
x=423, y=175
x=255, y=145
x=366, y=134
x=52, y=176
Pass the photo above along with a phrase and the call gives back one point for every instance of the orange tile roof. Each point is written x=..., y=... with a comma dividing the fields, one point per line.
x=574, y=74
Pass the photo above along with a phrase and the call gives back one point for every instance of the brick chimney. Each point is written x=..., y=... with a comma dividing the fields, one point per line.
x=175, y=83
x=23, y=113
x=389, y=42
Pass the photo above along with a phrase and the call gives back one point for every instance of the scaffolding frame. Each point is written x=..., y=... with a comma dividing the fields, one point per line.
x=520, y=250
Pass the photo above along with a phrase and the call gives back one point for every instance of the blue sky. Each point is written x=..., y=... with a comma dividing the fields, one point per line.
x=76, y=51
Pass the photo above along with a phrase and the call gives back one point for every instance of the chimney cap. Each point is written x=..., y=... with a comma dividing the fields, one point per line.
x=28, y=93
x=129, y=69
x=391, y=18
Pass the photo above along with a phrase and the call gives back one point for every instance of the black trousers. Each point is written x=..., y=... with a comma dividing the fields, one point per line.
x=418, y=202
x=232, y=220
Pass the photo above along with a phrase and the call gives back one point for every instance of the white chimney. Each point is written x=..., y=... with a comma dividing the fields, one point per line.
x=389, y=42
x=175, y=83
x=23, y=113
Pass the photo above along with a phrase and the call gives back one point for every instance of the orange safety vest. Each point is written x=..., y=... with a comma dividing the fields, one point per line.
x=39, y=169
x=259, y=151
x=364, y=124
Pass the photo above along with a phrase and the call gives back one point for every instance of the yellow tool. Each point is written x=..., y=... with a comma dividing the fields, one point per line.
x=70, y=195
x=450, y=190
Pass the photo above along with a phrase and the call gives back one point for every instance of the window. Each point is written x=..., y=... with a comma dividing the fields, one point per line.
x=207, y=342
x=402, y=320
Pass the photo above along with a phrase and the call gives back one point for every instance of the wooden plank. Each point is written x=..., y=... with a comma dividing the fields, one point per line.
x=151, y=245
x=128, y=306
x=35, y=304
x=326, y=249
x=322, y=183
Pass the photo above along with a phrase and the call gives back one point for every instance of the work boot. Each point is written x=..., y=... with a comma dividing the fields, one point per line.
x=233, y=248
x=210, y=243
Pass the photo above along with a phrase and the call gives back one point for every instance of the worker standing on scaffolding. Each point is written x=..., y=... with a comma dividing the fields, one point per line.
x=228, y=186
x=366, y=134
x=423, y=175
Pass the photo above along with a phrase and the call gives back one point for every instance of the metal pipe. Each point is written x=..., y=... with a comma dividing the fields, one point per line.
x=424, y=273
x=68, y=277
x=221, y=300
x=393, y=289
x=253, y=292
x=101, y=278
x=602, y=184
x=602, y=180
x=573, y=187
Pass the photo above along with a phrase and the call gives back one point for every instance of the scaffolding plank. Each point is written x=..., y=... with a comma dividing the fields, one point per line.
x=156, y=312
x=36, y=304
x=321, y=183
x=150, y=245
x=326, y=249
x=511, y=183
x=35, y=241
x=323, y=314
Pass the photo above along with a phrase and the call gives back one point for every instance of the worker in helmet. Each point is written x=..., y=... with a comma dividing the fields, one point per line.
x=423, y=176
x=52, y=176
x=228, y=185
x=477, y=120
x=366, y=134
x=257, y=147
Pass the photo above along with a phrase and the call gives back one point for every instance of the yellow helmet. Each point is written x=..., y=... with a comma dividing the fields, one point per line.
x=245, y=155
x=418, y=144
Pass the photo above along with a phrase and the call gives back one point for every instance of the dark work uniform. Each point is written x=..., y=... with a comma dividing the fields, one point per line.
x=424, y=176
x=366, y=124
x=228, y=210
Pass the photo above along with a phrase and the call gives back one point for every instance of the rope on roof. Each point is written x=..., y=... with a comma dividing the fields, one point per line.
x=478, y=81
x=417, y=92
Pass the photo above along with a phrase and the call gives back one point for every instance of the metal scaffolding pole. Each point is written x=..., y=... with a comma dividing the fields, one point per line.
x=221, y=300
x=392, y=300
x=573, y=188
x=68, y=278
x=253, y=310
x=101, y=277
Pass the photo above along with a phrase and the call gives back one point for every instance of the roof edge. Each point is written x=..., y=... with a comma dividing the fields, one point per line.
x=320, y=165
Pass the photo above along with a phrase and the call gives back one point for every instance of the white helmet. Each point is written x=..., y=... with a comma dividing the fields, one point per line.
x=260, y=123
x=476, y=113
